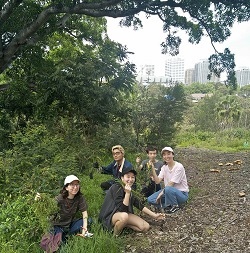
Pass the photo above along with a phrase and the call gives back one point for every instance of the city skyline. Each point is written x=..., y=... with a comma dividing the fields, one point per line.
x=145, y=44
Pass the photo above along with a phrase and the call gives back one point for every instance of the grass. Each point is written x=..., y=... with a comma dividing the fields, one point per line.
x=230, y=141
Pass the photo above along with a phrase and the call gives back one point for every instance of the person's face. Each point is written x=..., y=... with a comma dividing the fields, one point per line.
x=73, y=188
x=118, y=155
x=128, y=179
x=167, y=156
x=152, y=155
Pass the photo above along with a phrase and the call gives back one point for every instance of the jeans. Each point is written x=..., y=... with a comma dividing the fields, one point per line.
x=74, y=228
x=170, y=197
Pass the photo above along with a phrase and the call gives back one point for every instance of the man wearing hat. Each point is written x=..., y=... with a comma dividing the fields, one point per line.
x=176, y=188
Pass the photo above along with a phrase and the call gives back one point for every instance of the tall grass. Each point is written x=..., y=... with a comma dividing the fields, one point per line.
x=228, y=141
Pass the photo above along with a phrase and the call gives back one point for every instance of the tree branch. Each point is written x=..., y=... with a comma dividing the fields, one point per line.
x=8, y=9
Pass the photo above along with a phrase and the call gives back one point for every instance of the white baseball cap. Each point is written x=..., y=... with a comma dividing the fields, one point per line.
x=167, y=149
x=69, y=179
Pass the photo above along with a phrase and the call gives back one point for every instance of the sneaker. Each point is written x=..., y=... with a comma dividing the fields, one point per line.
x=174, y=209
x=167, y=208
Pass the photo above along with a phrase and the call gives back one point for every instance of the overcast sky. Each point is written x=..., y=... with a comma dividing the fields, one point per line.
x=145, y=43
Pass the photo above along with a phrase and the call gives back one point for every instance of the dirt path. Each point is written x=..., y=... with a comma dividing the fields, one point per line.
x=216, y=219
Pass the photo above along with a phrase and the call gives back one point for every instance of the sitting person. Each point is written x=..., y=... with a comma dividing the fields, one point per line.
x=150, y=186
x=69, y=201
x=116, y=167
x=117, y=210
x=176, y=188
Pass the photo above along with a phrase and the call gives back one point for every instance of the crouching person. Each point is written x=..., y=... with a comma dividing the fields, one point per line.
x=69, y=201
x=176, y=188
x=117, y=210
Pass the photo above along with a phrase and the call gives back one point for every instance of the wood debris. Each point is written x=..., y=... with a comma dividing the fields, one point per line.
x=242, y=194
x=239, y=162
x=229, y=164
x=234, y=168
x=215, y=170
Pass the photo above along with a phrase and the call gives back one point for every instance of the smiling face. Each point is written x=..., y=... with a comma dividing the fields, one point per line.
x=128, y=178
x=168, y=156
x=73, y=188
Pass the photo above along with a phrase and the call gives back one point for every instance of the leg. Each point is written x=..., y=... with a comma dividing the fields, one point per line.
x=137, y=223
x=105, y=185
x=174, y=197
x=152, y=199
x=76, y=227
x=119, y=220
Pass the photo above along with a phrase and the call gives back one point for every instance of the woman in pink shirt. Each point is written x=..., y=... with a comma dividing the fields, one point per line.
x=176, y=188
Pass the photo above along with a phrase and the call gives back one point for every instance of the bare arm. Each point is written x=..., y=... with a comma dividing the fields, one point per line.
x=85, y=222
x=156, y=178
x=158, y=216
x=127, y=190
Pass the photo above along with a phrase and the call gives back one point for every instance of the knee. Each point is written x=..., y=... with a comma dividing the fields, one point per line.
x=145, y=227
x=169, y=189
x=123, y=218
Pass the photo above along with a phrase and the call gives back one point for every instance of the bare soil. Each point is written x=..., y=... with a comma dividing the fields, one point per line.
x=215, y=219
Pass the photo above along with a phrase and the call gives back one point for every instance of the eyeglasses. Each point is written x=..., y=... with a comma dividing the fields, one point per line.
x=74, y=185
x=116, y=153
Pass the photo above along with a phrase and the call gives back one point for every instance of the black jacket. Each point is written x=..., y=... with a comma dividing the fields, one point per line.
x=113, y=203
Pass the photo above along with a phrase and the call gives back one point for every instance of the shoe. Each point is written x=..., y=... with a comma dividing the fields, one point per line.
x=167, y=208
x=174, y=209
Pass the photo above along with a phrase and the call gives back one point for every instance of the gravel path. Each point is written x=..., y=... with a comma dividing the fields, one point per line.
x=216, y=219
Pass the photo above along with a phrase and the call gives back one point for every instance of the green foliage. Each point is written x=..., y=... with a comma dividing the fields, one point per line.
x=156, y=111
x=37, y=161
x=25, y=25
x=19, y=229
x=230, y=140
x=199, y=88
x=101, y=242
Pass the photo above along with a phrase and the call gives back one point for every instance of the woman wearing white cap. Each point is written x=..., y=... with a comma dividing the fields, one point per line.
x=70, y=201
x=176, y=188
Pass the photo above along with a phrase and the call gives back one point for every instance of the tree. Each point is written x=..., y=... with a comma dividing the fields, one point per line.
x=228, y=111
x=156, y=112
x=68, y=78
x=24, y=23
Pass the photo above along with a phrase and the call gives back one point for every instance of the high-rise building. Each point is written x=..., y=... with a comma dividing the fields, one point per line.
x=174, y=69
x=189, y=76
x=243, y=76
x=201, y=72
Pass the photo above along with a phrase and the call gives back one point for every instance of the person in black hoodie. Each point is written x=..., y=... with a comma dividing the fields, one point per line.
x=117, y=210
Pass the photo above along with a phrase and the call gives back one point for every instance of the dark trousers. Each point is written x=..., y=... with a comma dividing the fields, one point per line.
x=151, y=188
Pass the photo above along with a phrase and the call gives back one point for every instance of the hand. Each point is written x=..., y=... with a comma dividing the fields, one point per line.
x=38, y=196
x=151, y=165
x=160, y=216
x=159, y=197
x=81, y=235
x=99, y=169
x=85, y=234
x=127, y=188
x=138, y=160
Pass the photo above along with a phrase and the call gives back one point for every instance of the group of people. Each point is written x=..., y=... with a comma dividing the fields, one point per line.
x=166, y=190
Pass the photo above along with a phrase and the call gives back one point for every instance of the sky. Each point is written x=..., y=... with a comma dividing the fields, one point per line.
x=145, y=43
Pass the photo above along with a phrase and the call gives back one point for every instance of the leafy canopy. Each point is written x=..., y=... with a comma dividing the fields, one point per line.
x=25, y=22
